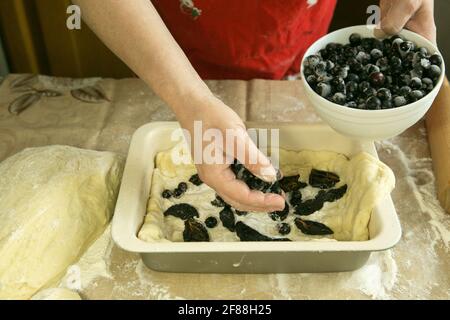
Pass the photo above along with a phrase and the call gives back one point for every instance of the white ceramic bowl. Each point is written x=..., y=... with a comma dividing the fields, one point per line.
x=369, y=124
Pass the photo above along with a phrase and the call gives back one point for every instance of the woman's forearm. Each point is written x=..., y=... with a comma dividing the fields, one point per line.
x=134, y=31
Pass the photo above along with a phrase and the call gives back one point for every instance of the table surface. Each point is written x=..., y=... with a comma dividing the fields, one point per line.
x=418, y=267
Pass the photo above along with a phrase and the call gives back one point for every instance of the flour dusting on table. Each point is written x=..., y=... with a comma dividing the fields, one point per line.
x=93, y=264
x=419, y=177
x=156, y=291
x=376, y=278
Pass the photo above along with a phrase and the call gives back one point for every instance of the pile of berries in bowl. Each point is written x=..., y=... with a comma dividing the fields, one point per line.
x=372, y=88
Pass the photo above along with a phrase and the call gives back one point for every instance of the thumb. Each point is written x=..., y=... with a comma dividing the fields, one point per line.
x=396, y=14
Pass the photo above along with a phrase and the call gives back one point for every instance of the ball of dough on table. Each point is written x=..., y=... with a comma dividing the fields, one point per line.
x=54, y=202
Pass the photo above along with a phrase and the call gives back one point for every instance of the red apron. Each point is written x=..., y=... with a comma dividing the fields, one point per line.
x=246, y=39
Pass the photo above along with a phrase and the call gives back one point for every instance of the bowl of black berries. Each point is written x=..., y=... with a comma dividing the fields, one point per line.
x=372, y=88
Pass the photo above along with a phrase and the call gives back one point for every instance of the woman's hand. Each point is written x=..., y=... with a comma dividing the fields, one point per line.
x=136, y=33
x=214, y=114
x=415, y=15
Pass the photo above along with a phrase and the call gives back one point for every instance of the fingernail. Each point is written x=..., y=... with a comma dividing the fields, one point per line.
x=379, y=33
x=268, y=173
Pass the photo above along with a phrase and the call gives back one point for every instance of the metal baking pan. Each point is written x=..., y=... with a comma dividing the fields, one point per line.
x=244, y=257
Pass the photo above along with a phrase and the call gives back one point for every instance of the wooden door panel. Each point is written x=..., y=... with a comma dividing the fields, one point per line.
x=36, y=40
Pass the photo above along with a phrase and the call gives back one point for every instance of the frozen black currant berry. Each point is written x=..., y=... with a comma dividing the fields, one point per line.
x=396, y=43
x=182, y=186
x=417, y=71
x=349, y=52
x=177, y=193
x=384, y=94
x=377, y=44
x=383, y=64
x=394, y=89
x=353, y=77
x=284, y=228
x=399, y=101
x=376, y=54
x=333, y=57
x=338, y=84
x=387, y=43
x=425, y=63
x=404, y=91
x=373, y=103
x=363, y=57
x=386, y=104
x=341, y=72
x=371, y=92
x=195, y=180
x=406, y=46
x=371, y=68
x=325, y=77
x=388, y=81
x=364, y=86
x=423, y=51
x=404, y=79
x=355, y=39
x=367, y=43
x=416, y=83
x=415, y=95
x=312, y=61
x=341, y=60
x=427, y=84
x=323, y=89
x=434, y=72
x=308, y=71
x=355, y=65
x=436, y=60
x=333, y=47
x=211, y=222
x=409, y=59
x=396, y=64
x=320, y=68
x=339, y=98
x=280, y=215
x=166, y=194
x=324, y=54
x=330, y=65
x=351, y=87
x=377, y=79
x=417, y=57
x=351, y=104
x=312, y=80
x=295, y=198
x=366, y=90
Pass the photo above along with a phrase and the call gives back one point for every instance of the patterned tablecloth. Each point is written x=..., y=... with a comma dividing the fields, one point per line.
x=102, y=114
